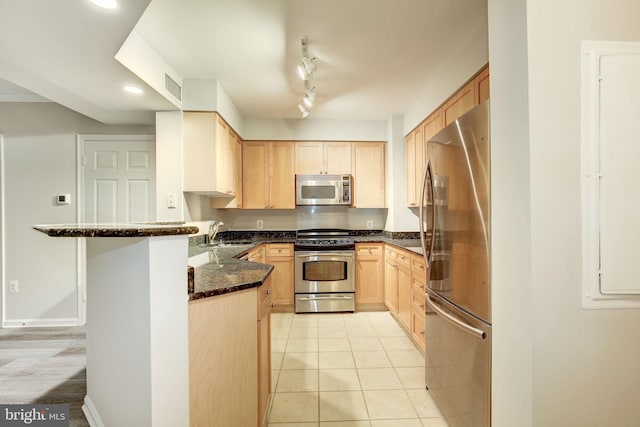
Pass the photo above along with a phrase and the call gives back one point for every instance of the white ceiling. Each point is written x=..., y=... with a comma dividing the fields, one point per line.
x=373, y=56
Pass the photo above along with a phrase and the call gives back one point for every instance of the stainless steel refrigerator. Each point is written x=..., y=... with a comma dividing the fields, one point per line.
x=454, y=231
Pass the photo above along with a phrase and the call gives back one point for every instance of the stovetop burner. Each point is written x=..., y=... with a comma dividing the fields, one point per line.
x=324, y=239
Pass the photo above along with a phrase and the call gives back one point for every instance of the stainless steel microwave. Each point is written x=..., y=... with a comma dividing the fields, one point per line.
x=317, y=190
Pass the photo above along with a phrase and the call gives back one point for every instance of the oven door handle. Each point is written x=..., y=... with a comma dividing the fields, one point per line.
x=326, y=254
x=324, y=298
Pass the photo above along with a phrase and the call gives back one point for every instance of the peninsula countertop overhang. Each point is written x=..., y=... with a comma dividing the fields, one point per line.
x=116, y=229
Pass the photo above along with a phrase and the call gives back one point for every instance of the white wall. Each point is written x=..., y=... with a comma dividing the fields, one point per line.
x=555, y=364
x=585, y=361
x=512, y=327
x=40, y=162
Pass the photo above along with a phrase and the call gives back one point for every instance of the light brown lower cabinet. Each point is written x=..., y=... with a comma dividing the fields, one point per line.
x=230, y=358
x=391, y=279
x=264, y=351
x=369, y=273
x=404, y=287
x=280, y=255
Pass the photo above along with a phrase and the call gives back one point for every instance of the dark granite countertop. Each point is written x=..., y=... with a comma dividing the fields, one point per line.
x=219, y=271
x=116, y=230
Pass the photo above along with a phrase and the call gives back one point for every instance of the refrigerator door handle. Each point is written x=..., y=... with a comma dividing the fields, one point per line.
x=455, y=321
x=423, y=243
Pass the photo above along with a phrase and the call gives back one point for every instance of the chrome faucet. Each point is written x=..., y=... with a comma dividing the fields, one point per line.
x=213, y=230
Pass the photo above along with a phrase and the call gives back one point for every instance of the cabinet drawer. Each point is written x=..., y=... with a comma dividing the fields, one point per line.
x=418, y=302
x=418, y=286
x=390, y=254
x=403, y=260
x=368, y=250
x=279, y=249
x=418, y=265
x=418, y=329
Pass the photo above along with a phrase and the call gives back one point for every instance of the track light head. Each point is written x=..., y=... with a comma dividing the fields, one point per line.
x=303, y=110
x=306, y=68
x=309, y=97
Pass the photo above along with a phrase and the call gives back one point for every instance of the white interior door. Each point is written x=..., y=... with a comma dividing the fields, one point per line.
x=119, y=180
x=116, y=183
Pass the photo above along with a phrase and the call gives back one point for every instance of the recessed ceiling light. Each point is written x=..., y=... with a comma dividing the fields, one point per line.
x=133, y=89
x=106, y=4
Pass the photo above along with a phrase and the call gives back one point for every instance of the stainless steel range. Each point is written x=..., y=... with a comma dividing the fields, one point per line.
x=324, y=271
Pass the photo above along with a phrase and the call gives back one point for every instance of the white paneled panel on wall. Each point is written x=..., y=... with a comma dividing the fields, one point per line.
x=610, y=180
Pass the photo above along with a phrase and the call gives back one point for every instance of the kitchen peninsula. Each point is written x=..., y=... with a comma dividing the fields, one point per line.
x=137, y=322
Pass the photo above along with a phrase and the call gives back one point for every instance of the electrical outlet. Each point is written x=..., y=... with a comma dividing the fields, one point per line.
x=369, y=224
x=14, y=286
x=259, y=224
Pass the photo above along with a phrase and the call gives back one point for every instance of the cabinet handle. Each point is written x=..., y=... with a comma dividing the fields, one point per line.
x=273, y=304
x=268, y=292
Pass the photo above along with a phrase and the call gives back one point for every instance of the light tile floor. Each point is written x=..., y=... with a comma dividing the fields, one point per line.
x=347, y=370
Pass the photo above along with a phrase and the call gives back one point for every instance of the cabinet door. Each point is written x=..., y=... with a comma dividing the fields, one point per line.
x=404, y=297
x=238, y=171
x=369, y=174
x=337, y=157
x=390, y=280
x=223, y=356
x=281, y=175
x=198, y=140
x=412, y=173
x=281, y=257
x=482, y=86
x=255, y=183
x=460, y=103
x=431, y=126
x=225, y=158
x=308, y=158
x=369, y=274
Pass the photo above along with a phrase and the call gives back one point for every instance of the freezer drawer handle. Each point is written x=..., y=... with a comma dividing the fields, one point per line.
x=455, y=321
x=323, y=298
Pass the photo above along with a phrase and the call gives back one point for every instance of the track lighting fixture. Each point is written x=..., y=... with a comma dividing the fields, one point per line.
x=305, y=70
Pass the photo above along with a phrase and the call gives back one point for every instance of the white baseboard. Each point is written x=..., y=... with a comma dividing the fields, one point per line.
x=91, y=413
x=40, y=323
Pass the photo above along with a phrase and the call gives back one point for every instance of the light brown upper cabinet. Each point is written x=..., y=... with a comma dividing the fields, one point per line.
x=482, y=86
x=267, y=175
x=329, y=157
x=413, y=152
x=369, y=174
x=209, y=155
x=463, y=101
x=416, y=152
x=471, y=94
